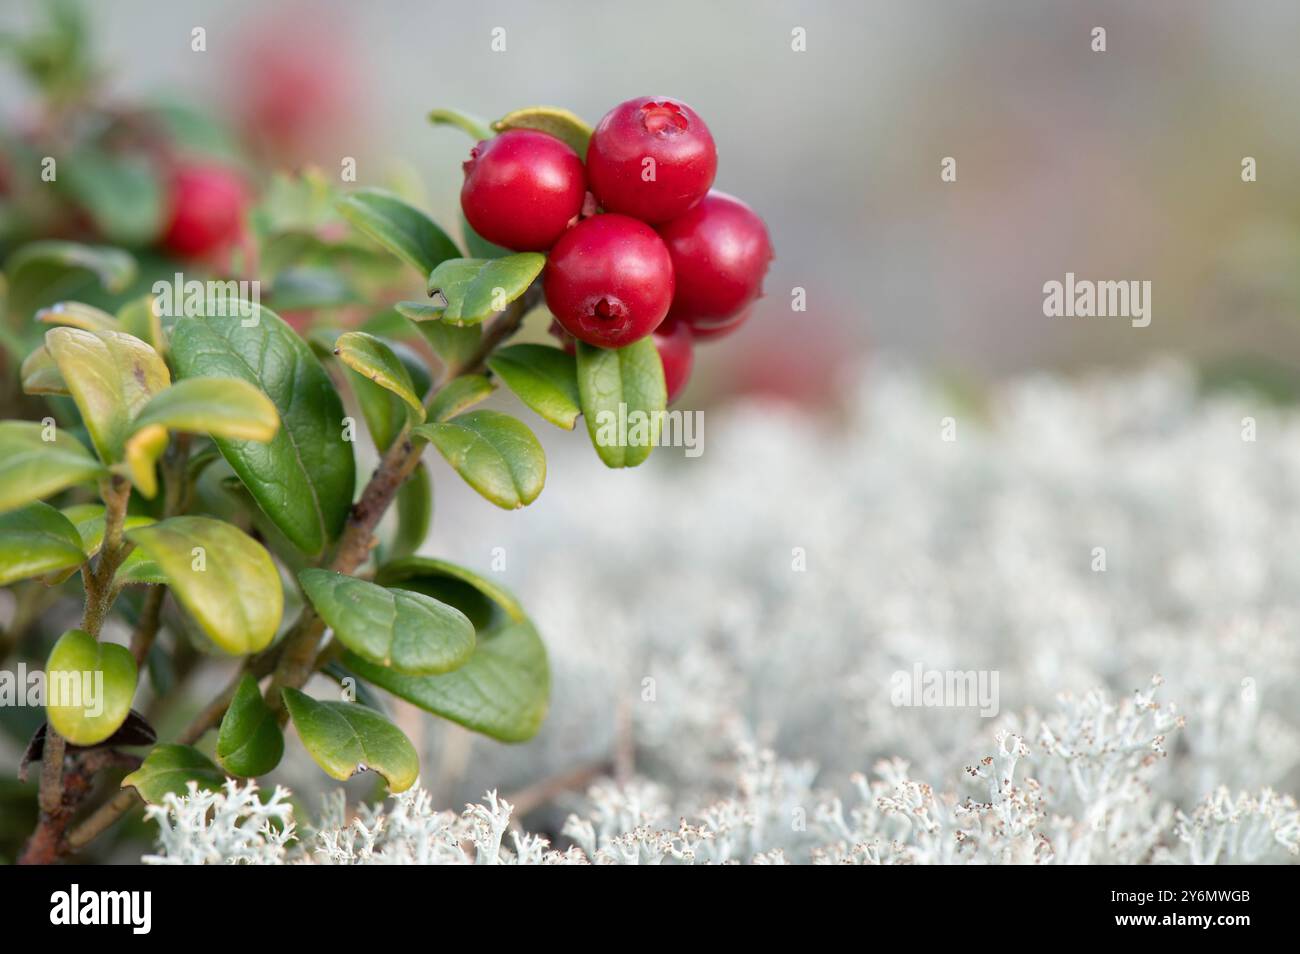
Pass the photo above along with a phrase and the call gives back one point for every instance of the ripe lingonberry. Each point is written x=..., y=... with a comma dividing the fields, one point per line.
x=673, y=342
x=522, y=189
x=206, y=212
x=609, y=280
x=720, y=253
x=651, y=158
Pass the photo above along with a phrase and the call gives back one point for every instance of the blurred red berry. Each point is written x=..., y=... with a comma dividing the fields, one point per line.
x=522, y=189
x=651, y=158
x=673, y=340
x=720, y=253
x=718, y=329
x=609, y=280
x=206, y=210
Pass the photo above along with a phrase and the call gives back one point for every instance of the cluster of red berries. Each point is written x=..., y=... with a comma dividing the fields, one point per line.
x=667, y=256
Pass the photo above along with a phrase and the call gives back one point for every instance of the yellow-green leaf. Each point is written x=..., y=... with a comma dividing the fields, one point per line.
x=460, y=394
x=345, y=738
x=169, y=768
x=40, y=375
x=496, y=454
x=89, y=686
x=74, y=314
x=141, y=453
x=111, y=376
x=222, y=576
x=373, y=359
x=222, y=407
x=565, y=126
x=35, y=540
x=32, y=467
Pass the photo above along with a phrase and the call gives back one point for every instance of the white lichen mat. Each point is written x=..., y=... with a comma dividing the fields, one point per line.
x=731, y=625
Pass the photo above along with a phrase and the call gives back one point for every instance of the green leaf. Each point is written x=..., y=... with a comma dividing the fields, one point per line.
x=454, y=344
x=460, y=394
x=345, y=738
x=111, y=376
x=634, y=378
x=35, y=540
x=477, y=245
x=221, y=575
x=40, y=375
x=496, y=454
x=88, y=518
x=89, y=687
x=414, y=506
x=504, y=689
x=304, y=477
x=143, y=449
x=42, y=272
x=168, y=768
x=560, y=123
x=250, y=742
x=74, y=314
x=139, y=317
x=386, y=413
x=222, y=407
x=122, y=193
x=406, y=631
x=451, y=117
x=475, y=288
x=544, y=378
x=372, y=358
x=32, y=468
x=402, y=229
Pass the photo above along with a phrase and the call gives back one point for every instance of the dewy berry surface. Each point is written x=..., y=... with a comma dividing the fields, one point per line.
x=206, y=210
x=720, y=251
x=651, y=158
x=609, y=280
x=673, y=341
x=522, y=189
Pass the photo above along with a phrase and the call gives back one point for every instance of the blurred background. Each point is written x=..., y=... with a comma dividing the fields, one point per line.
x=924, y=300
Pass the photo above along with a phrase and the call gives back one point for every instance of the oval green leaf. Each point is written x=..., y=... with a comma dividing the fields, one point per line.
x=74, y=314
x=32, y=467
x=400, y=228
x=504, y=689
x=222, y=576
x=88, y=687
x=43, y=272
x=345, y=738
x=565, y=126
x=460, y=394
x=623, y=397
x=496, y=454
x=169, y=768
x=544, y=378
x=111, y=376
x=250, y=742
x=373, y=359
x=304, y=477
x=36, y=540
x=475, y=288
x=223, y=407
x=414, y=506
x=403, y=630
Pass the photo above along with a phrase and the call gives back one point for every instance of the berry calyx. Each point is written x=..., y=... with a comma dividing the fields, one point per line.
x=673, y=341
x=720, y=251
x=609, y=280
x=206, y=210
x=651, y=158
x=522, y=189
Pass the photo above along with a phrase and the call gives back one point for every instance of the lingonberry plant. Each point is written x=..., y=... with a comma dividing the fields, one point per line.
x=186, y=468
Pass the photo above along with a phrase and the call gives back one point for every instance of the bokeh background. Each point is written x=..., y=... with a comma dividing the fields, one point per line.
x=822, y=427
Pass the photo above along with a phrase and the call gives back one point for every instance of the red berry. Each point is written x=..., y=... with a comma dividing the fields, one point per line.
x=207, y=206
x=720, y=252
x=522, y=189
x=673, y=341
x=719, y=329
x=651, y=158
x=609, y=281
